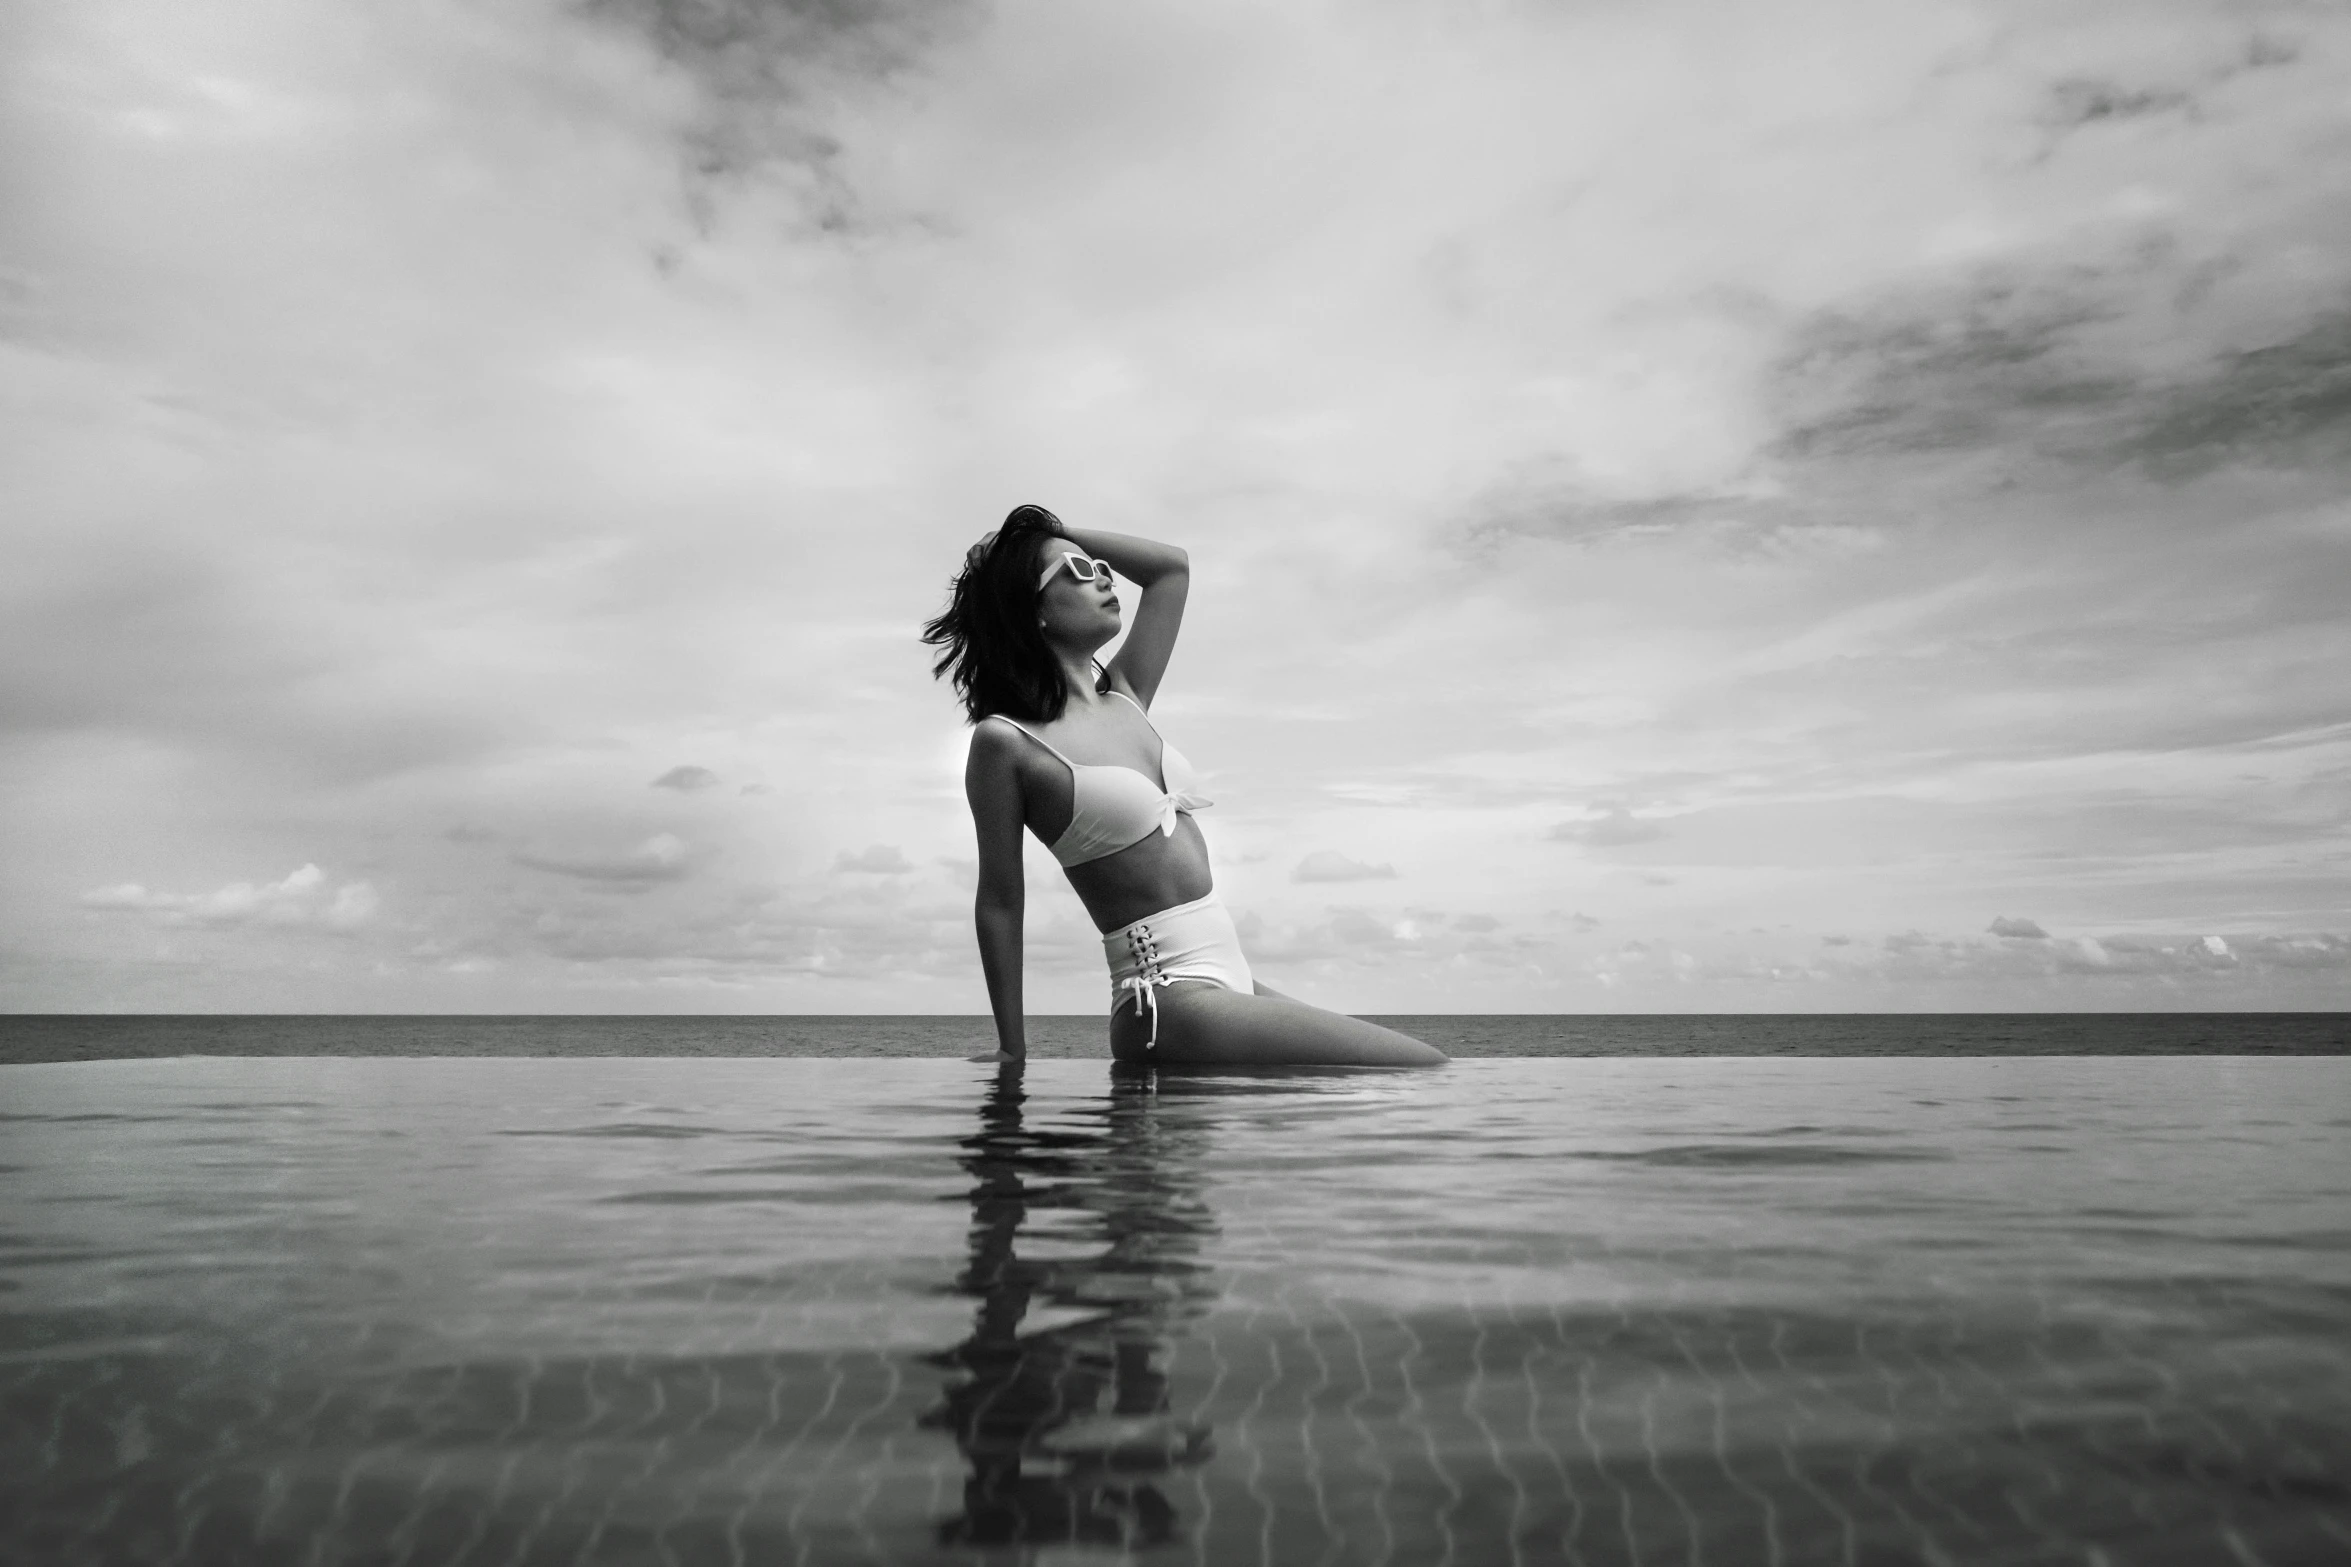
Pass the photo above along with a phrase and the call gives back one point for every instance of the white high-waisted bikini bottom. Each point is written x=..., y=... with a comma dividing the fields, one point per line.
x=1193, y=940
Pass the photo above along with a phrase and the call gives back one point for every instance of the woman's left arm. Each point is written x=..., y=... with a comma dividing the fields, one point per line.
x=1163, y=575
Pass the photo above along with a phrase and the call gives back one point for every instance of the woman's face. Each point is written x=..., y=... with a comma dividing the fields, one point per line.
x=1074, y=612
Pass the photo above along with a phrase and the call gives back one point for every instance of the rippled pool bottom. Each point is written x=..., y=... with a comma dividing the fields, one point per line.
x=907, y=1311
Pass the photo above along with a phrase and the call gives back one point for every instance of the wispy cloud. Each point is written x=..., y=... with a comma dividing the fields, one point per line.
x=1330, y=865
x=662, y=857
x=880, y=859
x=302, y=898
x=1612, y=828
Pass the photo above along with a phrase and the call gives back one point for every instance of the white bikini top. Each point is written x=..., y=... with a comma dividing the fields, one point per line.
x=1114, y=806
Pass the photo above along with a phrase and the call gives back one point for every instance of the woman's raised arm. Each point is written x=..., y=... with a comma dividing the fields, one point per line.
x=1163, y=574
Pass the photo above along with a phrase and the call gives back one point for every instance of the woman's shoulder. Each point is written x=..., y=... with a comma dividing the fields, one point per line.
x=998, y=740
x=994, y=759
x=993, y=732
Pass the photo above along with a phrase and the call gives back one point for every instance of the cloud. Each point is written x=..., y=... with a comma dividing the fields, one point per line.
x=898, y=931
x=1266, y=944
x=354, y=904
x=767, y=76
x=2091, y=966
x=1548, y=501
x=1345, y=938
x=301, y=898
x=662, y=857
x=2079, y=100
x=1329, y=865
x=2048, y=370
x=880, y=859
x=2284, y=405
x=751, y=50
x=687, y=779
x=2021, y=930
x=1613, y=828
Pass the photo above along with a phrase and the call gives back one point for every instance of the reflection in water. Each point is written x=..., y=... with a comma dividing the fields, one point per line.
x=1066, y=1428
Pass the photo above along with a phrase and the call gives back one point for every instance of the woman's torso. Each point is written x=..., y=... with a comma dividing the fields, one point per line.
x=1156, y=871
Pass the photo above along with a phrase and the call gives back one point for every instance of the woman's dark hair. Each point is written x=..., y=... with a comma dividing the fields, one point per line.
x=988, y=637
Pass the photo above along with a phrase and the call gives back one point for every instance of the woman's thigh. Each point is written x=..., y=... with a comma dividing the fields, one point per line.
x=1203, y=1024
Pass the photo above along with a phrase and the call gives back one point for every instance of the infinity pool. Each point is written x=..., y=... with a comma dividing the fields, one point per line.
x=818, y=1311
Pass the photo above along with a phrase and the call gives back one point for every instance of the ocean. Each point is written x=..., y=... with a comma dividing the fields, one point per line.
x=78, y=1037
x=319, y=1291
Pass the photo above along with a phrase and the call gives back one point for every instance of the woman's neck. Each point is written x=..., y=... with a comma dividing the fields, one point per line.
x=1078, y=670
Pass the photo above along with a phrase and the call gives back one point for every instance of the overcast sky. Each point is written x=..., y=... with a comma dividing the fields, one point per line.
x=1788, y=504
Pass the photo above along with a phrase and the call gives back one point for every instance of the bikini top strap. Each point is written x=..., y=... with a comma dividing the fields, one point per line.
x=1137, y=706
x=1040, y=739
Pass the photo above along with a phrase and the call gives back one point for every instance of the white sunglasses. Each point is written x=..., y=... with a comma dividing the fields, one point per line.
x=1080, y=567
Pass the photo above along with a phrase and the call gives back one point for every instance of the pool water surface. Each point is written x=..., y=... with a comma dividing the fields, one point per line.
x=816, y=1311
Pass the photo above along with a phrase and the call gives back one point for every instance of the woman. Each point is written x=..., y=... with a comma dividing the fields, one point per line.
x=1066, y=749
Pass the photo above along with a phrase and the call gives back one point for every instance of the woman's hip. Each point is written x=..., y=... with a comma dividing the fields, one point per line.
x=1195, y=940
x=1186, y=943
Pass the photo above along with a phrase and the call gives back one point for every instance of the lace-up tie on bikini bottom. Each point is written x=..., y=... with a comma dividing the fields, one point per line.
x=1143, y=985
x=1193, y=940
